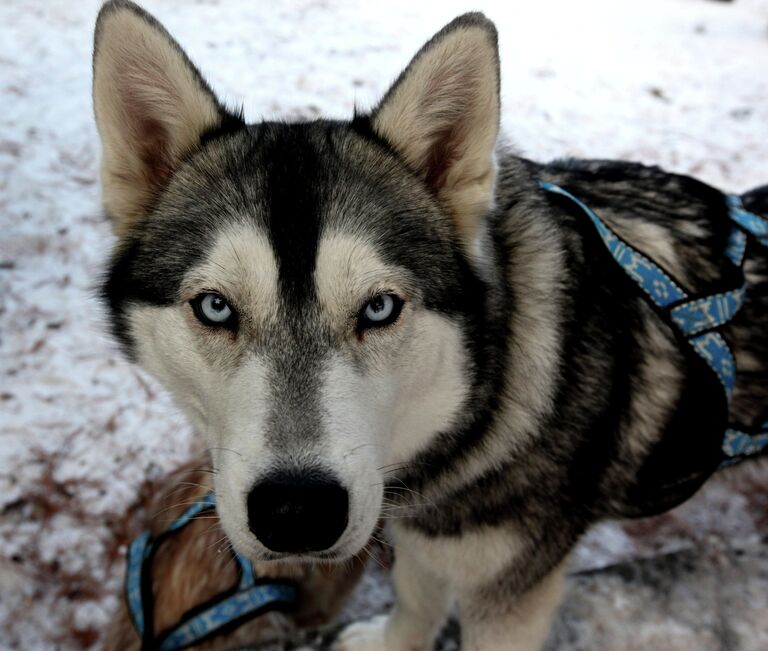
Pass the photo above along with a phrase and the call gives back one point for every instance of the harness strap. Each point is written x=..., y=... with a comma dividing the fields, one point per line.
x=697, y=319
x=737, y=245
x=737, y=443
x=249, y=602
x=753, y=224
x=249, y=599
x=700, y=314
x=138, y=552
x=650, y=277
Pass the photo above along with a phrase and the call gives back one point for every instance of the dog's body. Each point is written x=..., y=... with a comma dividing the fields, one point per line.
x=348, y=310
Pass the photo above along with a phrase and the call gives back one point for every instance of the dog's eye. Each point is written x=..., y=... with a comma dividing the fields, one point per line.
x=381, y=310
x=213, y=310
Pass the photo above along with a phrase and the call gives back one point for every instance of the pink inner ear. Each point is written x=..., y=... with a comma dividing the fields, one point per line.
x=441, y=156
x=446, y=101
x=147, y=93
x=154, y=150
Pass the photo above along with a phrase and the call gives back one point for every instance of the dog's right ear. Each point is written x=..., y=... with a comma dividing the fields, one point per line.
x=442, y=117
x=152, y=107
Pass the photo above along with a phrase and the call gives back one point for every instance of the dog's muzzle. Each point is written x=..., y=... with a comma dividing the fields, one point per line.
x=294, y=513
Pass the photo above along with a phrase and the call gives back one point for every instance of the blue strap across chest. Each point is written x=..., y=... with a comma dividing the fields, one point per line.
x=248, y=600
x=697, y=319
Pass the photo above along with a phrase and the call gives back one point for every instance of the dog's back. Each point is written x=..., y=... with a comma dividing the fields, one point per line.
x=683, y=224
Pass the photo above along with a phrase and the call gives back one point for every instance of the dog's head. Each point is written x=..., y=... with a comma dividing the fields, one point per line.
x=304, y=290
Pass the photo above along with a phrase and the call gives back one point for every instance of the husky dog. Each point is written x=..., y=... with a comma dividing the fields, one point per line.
x=390, y=316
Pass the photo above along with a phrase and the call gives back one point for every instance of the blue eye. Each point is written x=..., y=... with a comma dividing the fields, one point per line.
x=213, y=310
x=381, y=310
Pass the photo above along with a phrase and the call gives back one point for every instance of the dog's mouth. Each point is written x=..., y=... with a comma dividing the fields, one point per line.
x=346, y=548
x=307, y=557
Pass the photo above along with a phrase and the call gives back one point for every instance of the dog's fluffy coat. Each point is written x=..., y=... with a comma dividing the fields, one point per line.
x=527, y=388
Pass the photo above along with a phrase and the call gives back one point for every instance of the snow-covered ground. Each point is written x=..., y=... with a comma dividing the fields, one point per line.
x=681, y=83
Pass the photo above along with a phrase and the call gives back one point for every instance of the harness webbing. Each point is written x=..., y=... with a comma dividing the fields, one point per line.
x=249, y=599
x=697, y=319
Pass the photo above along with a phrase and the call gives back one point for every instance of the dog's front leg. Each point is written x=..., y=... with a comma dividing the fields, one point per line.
x=422, y=601
x=491, y=623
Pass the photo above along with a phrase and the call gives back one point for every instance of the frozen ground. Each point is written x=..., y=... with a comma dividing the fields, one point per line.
x=681, y=83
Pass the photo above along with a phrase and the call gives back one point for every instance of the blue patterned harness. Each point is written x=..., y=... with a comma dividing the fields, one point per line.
x=249, y=599
x=697, y=319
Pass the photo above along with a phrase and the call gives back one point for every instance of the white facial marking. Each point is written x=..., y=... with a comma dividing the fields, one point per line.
x=356, y=422
x=240, y=454
x=432, y=386
x=167, y=348
x=226, y=402
x=422, y=359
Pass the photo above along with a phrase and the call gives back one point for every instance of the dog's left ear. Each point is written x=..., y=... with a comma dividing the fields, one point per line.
x=442, y=117
x=152, y=109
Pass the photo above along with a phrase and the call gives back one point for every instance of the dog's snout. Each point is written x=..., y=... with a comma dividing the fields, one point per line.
x=295, y=513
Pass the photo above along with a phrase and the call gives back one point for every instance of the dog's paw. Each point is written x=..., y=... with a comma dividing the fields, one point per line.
x=363, y=636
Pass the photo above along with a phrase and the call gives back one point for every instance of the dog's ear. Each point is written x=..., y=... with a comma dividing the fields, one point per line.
x=152, y=106
x=442, y=117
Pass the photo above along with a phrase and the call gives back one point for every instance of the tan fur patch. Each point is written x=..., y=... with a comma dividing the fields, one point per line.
x=349, y=270
x=500, y=546
x=243, y=268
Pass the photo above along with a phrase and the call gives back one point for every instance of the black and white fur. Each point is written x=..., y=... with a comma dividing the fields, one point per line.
x=525, y=391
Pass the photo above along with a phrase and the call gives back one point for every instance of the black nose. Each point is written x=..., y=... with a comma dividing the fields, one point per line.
x=298, y=513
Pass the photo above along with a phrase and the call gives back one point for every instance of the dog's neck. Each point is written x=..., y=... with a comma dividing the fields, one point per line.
x=517, y=260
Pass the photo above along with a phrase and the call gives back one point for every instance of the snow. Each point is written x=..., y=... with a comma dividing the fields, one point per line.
x=680, y=83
